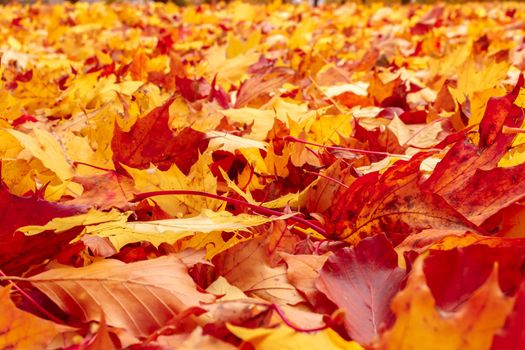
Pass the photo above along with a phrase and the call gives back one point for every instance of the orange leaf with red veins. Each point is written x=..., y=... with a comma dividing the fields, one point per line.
x=151, y=141
x=361, y=281
x=392, y=203
x=420, y=325
x=140, y=297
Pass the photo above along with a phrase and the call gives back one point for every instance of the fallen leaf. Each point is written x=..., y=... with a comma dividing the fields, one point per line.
x=140, y=297
x=393, y=203
x=150, y=141
x=362, y=281
x=261, y=280
x=470, y=327
x=284, y=337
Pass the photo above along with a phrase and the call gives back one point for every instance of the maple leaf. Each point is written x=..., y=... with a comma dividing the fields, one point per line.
x=150, y=141
x=284, y=337
x=453, y=274
x=261, y=280
x=393, y=203
x=120, y=231
x=302, y=272
x=511, y=336
x=470, y=327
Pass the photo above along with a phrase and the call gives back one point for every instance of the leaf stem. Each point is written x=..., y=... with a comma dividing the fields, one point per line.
x=257, y=209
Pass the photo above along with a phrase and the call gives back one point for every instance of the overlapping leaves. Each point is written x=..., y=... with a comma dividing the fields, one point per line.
x=262, y=176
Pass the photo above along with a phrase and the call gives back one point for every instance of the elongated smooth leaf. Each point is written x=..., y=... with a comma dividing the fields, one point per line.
x=140, y=297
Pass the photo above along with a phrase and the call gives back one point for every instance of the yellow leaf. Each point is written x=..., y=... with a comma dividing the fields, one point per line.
x=115, y=226
x=199, y=179
x=471, y=78
x=515, y=156
x=45, y=147
x=284, y=337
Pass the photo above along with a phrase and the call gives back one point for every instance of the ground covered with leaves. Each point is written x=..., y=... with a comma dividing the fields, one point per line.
x=262, y=177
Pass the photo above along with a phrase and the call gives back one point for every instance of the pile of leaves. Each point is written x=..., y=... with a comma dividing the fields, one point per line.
x=262, y=177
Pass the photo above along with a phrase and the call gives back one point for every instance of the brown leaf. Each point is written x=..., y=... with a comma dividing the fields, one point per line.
x=302, y=272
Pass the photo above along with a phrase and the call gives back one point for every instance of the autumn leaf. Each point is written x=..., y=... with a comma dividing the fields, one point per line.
x=151, y=141
x=470, y=327
x=511, y=336
x=393, y=203
x=139, y=297
x=284, y=337
x=259, y=176
x=261, y=280
x=18, y=252
x=362, y=281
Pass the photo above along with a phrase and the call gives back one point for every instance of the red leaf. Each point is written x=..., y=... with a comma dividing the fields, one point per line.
x=501, y=111
x=393, y=203
x=193, y=89
x=362, y=281
x=151, y=140
x=488, y=191
x=512, y=336
x=455, y=274
x=17, y=251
